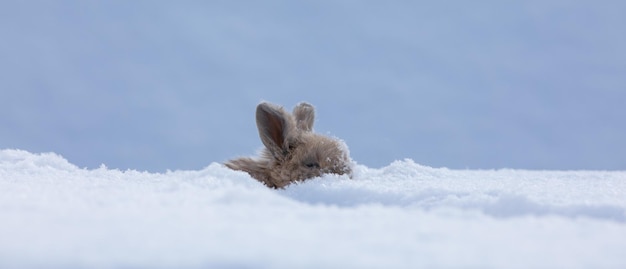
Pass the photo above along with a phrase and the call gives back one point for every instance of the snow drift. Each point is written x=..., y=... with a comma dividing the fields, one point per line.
x=405, y=215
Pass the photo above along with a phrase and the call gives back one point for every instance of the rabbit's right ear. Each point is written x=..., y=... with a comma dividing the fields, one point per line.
x=305, y=116
x=274, y=128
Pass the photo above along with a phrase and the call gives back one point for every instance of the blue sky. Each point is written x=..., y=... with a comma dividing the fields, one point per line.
x=156, y=85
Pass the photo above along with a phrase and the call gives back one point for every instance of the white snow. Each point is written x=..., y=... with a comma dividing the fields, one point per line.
x=54, y=214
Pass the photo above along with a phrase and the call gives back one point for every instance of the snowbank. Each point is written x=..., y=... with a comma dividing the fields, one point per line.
x=54, y=214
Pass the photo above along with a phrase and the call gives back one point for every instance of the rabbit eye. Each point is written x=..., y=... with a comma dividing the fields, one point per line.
x=312, y=164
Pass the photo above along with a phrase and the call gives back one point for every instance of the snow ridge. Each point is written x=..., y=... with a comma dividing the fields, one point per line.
x=404, y=215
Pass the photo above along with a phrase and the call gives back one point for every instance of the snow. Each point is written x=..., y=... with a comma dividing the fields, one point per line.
x=54, y=214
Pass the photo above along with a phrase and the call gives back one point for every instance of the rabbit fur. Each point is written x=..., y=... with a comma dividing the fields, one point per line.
x=293, y=152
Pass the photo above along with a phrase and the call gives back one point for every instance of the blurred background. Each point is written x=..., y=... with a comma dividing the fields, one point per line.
x=156, y=85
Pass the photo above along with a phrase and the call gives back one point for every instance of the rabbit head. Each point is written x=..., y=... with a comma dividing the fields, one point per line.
x=292, y=151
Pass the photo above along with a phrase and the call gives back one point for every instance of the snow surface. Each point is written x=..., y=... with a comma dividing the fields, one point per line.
x=54, y=214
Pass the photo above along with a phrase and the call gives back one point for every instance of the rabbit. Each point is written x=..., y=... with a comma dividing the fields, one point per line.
x=293, y=152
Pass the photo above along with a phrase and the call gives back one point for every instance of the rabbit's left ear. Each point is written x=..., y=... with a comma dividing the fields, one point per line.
x=305, y=116
x=275, y=128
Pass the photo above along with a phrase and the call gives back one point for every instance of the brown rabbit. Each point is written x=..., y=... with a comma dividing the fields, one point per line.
x=292, y=151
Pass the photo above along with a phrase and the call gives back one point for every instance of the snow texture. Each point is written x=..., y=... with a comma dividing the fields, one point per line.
x=54, y=214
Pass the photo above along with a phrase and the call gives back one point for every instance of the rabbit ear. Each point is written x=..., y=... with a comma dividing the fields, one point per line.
x=305, y=116
x=274, y=128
